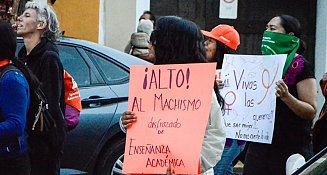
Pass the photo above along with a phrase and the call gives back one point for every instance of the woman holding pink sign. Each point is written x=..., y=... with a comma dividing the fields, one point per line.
x=296, y=103
x=179, y=41
x=223, y=39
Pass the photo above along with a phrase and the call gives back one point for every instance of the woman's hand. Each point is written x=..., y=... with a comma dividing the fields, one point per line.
x=219, y=82
x=281, y=89
x=128, y=118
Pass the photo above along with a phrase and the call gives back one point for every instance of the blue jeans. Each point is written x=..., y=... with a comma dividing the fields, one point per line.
x=225, y=165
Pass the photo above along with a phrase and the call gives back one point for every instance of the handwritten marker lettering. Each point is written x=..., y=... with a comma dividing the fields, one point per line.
x=248, y=102
x=145, y=81
x=264, y=116
x=180, y=81
x=231, y=103
x=150, y=149
x=165, y=162
x=187, y=77
x=175, y=104
x=137, y=104
x=154, y=79
x=267, y=87
x=160, y=124
x=147, y=149
x=238, y=82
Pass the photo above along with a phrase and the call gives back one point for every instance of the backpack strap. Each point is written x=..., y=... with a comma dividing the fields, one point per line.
x=7, y=68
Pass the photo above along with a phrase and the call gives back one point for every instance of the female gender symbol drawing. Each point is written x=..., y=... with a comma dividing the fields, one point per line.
x=268, y=85
x=233, y=100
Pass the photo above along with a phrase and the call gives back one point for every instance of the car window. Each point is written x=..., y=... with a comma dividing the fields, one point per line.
x=75, y=65
x=113, y=73
x=19, y=46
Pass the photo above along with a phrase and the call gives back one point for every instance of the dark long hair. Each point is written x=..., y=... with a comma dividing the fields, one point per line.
x=7, y=51
x=152, y=17
x=292, y=24
x=177, y=41
x=221, y=49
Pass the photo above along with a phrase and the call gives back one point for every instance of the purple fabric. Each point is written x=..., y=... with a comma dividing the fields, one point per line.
x=230, y=141
x=71, y=117
x=294, y=69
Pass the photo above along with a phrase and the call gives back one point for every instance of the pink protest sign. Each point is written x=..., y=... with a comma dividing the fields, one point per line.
x=172, y=104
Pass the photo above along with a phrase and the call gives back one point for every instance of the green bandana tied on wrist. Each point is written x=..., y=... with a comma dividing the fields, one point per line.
x=278, y=43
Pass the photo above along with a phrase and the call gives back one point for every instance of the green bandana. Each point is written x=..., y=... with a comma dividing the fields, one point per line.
x=278, y=43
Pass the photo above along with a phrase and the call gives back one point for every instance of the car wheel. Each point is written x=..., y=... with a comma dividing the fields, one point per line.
x=112, y=158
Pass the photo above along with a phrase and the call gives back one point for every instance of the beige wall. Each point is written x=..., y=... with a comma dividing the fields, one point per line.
x=79, y=19
x=119, y=22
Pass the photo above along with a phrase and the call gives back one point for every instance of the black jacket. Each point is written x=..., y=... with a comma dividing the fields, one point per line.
x=45, y=64
x=319, y=138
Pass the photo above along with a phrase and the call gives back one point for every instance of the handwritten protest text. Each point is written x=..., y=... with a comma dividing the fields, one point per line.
x=175, y=104
x=149, y=149
x=177, y=78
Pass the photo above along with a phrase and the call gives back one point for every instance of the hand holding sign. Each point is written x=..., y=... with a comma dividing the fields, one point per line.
x=219, y=82
x=128, y=118
x=281, y=89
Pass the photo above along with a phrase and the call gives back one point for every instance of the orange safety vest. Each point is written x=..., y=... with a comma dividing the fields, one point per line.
x=72, y=95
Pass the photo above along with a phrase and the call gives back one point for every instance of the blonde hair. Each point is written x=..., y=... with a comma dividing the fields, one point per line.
x=47, y=15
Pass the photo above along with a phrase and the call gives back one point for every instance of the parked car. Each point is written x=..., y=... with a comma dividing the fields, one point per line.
x=96, y=145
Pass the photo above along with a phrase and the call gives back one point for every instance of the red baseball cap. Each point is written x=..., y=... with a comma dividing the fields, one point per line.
x=225, y=34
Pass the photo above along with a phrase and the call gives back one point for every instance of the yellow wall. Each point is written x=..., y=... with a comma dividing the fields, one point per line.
x=79, y=18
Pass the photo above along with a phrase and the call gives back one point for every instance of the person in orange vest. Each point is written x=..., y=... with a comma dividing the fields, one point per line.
x=72, y=100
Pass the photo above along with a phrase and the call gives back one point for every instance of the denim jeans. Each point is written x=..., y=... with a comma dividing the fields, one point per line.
x=225, y=165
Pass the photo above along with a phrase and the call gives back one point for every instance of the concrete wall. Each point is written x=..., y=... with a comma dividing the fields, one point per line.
x=79, y=19
x=120, y=21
